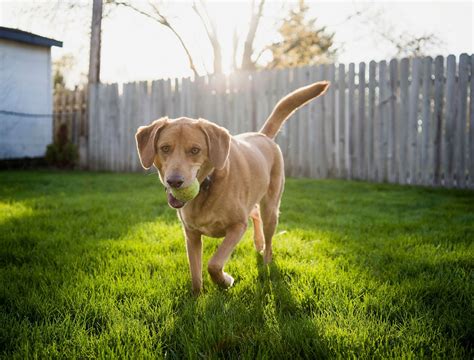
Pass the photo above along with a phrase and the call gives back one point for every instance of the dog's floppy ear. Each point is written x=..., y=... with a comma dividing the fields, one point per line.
x=146, y=138
x=218, y=143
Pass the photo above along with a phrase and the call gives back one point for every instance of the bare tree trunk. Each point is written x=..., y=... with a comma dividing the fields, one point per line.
x=247, y=63
x=94, y=56
x=211, y=32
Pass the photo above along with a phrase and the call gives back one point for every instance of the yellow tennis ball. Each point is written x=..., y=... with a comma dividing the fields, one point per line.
x=187, y=193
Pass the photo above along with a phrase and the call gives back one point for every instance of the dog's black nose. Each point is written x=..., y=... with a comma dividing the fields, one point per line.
x=175, y=181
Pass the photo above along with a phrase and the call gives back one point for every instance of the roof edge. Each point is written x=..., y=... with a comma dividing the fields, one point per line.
x=27, y=37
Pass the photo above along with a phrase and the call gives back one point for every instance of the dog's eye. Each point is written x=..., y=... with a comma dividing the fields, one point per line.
x=165, y=148
x=195, y=150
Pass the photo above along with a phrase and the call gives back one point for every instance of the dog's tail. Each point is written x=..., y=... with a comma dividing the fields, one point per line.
x=289, y=104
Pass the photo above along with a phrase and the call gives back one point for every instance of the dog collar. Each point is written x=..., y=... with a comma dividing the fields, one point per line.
x=206, y=184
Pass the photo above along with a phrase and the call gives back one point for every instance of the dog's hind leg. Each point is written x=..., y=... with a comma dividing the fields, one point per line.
x=258, y=237
x=270, y=209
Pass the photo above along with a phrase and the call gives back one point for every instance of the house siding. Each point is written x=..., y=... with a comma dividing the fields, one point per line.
x=26, y=90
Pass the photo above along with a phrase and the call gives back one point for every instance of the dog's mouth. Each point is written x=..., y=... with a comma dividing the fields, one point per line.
x=173, y=202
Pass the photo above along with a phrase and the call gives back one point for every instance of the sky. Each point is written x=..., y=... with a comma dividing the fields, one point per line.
x=137, y=48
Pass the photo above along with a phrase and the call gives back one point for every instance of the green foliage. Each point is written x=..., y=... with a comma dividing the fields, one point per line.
x=94, y=266
x=62, y=156
x=302, y=43
x=62, y=153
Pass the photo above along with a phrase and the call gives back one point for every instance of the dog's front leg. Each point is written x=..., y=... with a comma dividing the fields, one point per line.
x=194, y=250
x=217, y=262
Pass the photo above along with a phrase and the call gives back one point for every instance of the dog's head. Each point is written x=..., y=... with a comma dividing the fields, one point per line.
x=182, y=150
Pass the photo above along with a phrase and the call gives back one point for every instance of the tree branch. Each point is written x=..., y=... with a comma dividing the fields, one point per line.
x=211, y=32
x=160, y=18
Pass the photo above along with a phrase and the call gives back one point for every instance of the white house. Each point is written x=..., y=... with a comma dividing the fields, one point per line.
x=26, y=94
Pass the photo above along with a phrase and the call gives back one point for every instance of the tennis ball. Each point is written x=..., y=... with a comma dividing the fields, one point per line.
x=187, y=193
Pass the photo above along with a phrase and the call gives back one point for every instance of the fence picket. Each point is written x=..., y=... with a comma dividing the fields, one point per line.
x=438, y=119
x=330, y=121
x=471, y=127
x=370, y=150
x=402, y=129
x=350, y=122
x=361, y=126
x=380, y=130
x=426, y=130
x=413, y=103
x=341, y=121
x=449, y=130
x=461, y=118
x=321, y=111
x=392, y=164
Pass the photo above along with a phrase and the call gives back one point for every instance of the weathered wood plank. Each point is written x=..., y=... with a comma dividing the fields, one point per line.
x=361, y=126
x=307, y=124
x=103, y=90
x=450, y=122
x=370, y=143
x=341, y=122
x=392, y=123
x=381, y=124
x=91, y=119
x=115, y=114
x=471, y=127
x=438, y=119
x=402, y=129
x=350, y=128
x=426, y=158
x=321, y=112
x=297, y=119
x=461, y=121
x=413, y=103
x=313, y=123
x=330, y=121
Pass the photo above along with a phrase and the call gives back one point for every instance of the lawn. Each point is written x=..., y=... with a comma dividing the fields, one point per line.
x=94, y=265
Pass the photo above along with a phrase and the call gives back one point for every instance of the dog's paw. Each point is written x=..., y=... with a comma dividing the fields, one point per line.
x=228, y=281
x=267, y=257
x=260, y=248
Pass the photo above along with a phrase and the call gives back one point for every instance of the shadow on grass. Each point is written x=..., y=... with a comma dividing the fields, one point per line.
x=261, y=320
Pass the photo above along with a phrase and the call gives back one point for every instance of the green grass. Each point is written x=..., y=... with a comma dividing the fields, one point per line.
x=94, y=265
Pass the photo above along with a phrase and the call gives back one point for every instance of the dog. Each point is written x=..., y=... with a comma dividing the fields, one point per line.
x=240, y=177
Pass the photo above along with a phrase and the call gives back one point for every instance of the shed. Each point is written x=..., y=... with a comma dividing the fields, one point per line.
x=26, y=94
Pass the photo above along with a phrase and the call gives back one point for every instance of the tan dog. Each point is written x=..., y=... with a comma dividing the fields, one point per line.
x=241, y=176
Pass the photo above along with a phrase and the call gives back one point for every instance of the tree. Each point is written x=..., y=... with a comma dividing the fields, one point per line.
x=247, y=62
x=96, y=34
x=62, y=66
x=154, y=12
x=409, y=45
x=302, y=42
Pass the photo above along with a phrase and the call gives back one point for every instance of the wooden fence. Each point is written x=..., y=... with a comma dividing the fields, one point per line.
x=403, y=121
x=70, y=110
